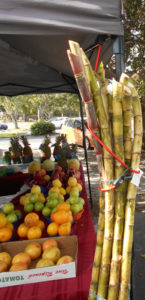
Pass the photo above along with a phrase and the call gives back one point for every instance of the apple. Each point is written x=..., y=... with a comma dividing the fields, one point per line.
x=53, y=195
x=74, y=199
x=52, y=203
x=81, y=200
x=38, y=206
x=46, y=211
x=75, y=208
x=33, y=198
x=74, y=192
x=11, y=218
x=29, y=207
x=18, y=213
x=65, y=260
x=8, y=208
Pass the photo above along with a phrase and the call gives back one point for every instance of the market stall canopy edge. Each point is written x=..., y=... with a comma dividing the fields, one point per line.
x=34, y=38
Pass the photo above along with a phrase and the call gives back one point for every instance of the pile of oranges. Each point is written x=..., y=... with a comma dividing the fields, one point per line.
x=61, y=221
x=6, y=229
x=32, y=227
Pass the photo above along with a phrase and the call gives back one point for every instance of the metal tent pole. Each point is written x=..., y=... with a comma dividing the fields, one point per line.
x=118, y=50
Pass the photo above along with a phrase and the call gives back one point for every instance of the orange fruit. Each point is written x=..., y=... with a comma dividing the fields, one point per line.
x=64, y=229
x=31, y=219
x=10, y=225
x=50, y=243
x=3, y=221
x=22, y=230
x=21, y=257
x=18, y=267
x=60, y=217
x=52, y=229
x=3, y=266
x=63, y=206
x=34, y=233
x=41, y=225
x=70, y=217
x=5, y=256
x=5, y=234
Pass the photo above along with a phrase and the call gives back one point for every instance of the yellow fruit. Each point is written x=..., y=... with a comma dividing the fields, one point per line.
x=34, y=166
x=5, y=256
x=49, y=243
x=21, y=257
x=46, y=178
x=10, y=226
x=79, y=186
x=41, y=225
x=54, y=189
x=3, y=221
x=72, y=181
x=33, y=250
x=52, y=254
x=18, y=267
x=52, y=229
x=22, y=230
x=65, y=260
x=3, y=266
x=60, y=197
x=24, y=199
x=5, y=234
x=35, y=189
x=34, y=233
x=73, y=163
x=41, y=198
x=62, y=191
x=44, y=262
x=57, y=183
x=68, y=189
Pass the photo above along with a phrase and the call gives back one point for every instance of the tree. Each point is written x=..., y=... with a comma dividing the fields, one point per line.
x=135, y=46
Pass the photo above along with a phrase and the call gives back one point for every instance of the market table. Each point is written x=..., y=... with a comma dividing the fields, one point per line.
x=67, y=289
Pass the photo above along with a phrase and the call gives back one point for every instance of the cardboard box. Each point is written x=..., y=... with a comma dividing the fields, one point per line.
x=67, y=245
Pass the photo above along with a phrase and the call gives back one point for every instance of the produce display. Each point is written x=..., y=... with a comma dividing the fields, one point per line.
x=34, y=255
x=111, y=109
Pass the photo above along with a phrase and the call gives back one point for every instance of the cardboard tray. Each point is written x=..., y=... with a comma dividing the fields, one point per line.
x=67, y=245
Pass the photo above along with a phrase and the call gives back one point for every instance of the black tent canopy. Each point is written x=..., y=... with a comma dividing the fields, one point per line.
x=34, y=38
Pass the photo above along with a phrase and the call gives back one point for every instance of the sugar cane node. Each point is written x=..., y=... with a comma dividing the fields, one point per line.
x=96, y=296
x=113, y=154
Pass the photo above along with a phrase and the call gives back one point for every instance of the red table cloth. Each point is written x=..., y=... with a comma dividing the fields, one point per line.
x=12, y=183
x=67, y=289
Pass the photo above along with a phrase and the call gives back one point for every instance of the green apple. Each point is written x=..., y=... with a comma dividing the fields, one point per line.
x=75, y=208
x=33, y=198
x=74, y=192
x=74, y=199
x=8, y=208
x=18, y=213
x=52, y=203
x=28, y=207
x=53, y=195
x=46, y=211
x=11, y=218
x=38, y=206
x=81, y=200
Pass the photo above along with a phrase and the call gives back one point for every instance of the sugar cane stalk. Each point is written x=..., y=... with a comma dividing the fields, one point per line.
x=131, y=195
x=119, y=193
x=103, y=278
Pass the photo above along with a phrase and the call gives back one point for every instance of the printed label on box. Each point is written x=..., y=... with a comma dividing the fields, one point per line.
x=38, y=275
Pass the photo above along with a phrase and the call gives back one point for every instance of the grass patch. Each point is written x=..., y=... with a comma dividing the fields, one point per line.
x=12, y=132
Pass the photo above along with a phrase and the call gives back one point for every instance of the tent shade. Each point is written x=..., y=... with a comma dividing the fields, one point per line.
x=34, y=38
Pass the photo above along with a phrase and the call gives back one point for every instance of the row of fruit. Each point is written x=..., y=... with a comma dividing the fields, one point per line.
x=48, y=254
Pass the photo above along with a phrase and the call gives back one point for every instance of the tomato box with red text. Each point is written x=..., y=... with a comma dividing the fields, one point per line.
x=67, y=245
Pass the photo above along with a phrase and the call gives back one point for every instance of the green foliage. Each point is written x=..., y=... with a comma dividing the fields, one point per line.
x=39, y=128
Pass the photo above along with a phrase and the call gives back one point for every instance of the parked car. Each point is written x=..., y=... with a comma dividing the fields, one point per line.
x=3, y=126
x=72, y=128
x=57, y=121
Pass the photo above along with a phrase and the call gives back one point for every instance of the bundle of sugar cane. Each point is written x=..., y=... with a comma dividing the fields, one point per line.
x=114, y=113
